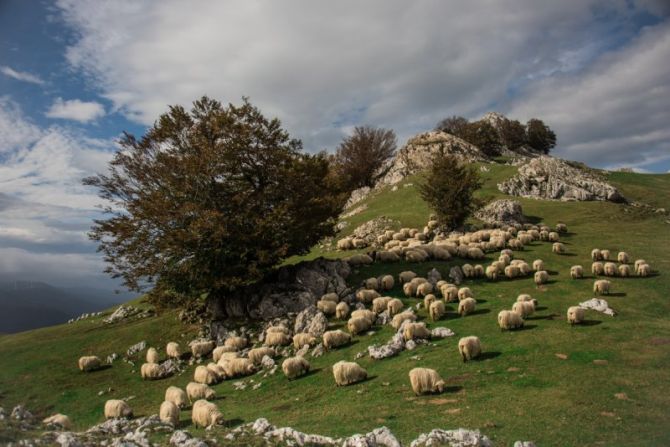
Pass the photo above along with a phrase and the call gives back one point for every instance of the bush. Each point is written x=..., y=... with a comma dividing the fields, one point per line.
x=360, y=156
x=539, y=136
x=512, y=134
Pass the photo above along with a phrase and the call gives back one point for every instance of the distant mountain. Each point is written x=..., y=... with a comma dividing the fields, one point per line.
x=28, y=305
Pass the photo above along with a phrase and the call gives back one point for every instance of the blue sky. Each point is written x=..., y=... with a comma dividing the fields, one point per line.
x=74, y=74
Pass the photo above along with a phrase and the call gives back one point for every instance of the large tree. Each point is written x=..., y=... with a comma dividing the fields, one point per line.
x=483, y=135
x=210, y=199
x=539, y=136
x=512, y=134
x=454, y=125
x=360, y=155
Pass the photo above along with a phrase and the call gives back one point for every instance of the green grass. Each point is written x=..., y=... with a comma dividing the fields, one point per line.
x=520, y=390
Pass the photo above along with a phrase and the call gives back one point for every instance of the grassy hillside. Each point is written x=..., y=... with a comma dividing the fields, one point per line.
x=602, y=383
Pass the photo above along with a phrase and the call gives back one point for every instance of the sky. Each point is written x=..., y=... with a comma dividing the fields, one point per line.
x=75, y=74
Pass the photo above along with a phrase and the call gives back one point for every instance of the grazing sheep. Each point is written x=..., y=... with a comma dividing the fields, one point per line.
x=294, y=367
x=386, y=256
x=358, y=325
x=151, y=371
x=441, y=254
x=541, y=277
x=364, y=313
x=335, y=339
x=601, y=287
x=575, y=314
x=280, y=329
x=605, y=254
x=596, y=255
x=152, y=356
x=196, y=391
x=202, y=348
x=371, y=284
x=409, y=289
x=302, y=339
x=428, y=300
x=387, y=282
x=475, y=253
x=507, y=252
x=256, y=355
x=576, y=272
x=226, y=356
x=424, y=289
x=173, y=350
x=204, y=375
x=169, y=413
x=464, y=292
x=327, y=307
x=413, y=331
x=512, y=271
x=436, y=310
x=416, y=255
x=622, y=257
x=558, y=248
x=450, y=293
x=115, y=408
x=342, y=311
x=491, y=272
x=345, y=243
x=524, y=268
x=398, y=319
x=523, y=308
x=597, y=268
x=610, y=269
x=237, y=343
x=538, y=265
x=505, y=259
x=218, y=352
x=347, y=373
x=479, y=271
x=638, y=263
x=177, y=396
x=277, y=339
x=206, y=414
x=331, y=297
x=544, y=235
x=406, y=276
x=238, y=367
x=359, y=259
x=469, y=348
x=89, y=363
x=379, y=304
x=394, y=306
x=553, y=237
x=644, y=270
x=526, y=297
x=466, y=306
x=367, y=295
x=561, y=228
x=624, y=270
x=60, y=420
x=500, y=267
x=425, y=381
x=508, y=320
x=468, y=270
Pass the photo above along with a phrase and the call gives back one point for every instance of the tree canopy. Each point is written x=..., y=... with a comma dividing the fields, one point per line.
x=360, y=156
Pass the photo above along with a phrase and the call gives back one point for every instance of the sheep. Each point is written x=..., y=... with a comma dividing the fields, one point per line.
x=345, y=243
x=335, y=339
x=398, y=319
x=330, y=297
x=295, y=367
x=523, y=308
x=466, y=306
x=638, y=263
x=406, y=276
x=342, y=311
x=575, y=315
x=479, y=271
x=622, y=257
x=89, y=363
x=526, y=297
x=115, y=408
x=441, y=254
x=538, y=265
x=238, y=367
x=281, y=329
x=256, y=355
x=576, y=272
x=624, y=270
x=371, y=284
x=327, y=307
x=347, y=373
x=512, y=271
x=507, y=252
x=610, y=269
x=553, y=237
x=500, y=267
x=60, y=420
x=643, y=270
x=202, y=374
x=151, y=371
x=359, y=259
x=428, y=300
x=605, y=254
x=597, y=268
x=491, y=272
x=226, y=356
x=425, y=381
x=196, y=391
x=561, y=228
x=366, y=295
x=416, y=255
x=409, y=289
x=169, y=413
x=414, y=331
x=379, y=304
x=206, y=414
x=386, y=256
x=475, y=253
x=387, y=282
x=558, y=248
x=596, y=255
x=469, y=348
x=544, y=235
x=364, y=313
x=505, y=259
x=424, y=289
x=302, y=339
x=601, y=287
x=509, y=320
x=177, y=396
x=358, y=325
x=541, y=277
x=173, y=350
x=450, y=293
x=436, y=310
x=152, y=355
x=202, y=348
x=236, y=342
x=468, y=270
x=394, y=306
x=277, y=339
x=524, y=268
x=218, y=352
x=464, y=292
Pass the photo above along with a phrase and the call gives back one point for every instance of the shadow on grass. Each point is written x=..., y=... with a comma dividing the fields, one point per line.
x=590, y=323
x=481, y=301
x=535, y=220
x=616, y=294
x=539, y=308
x=481, y=312
x=552, y=272
x=311, y=372
x=526, y=327
x=568, y=254
x=234, y=422
x=488, y=355
x=100, y=368
x=452, y=388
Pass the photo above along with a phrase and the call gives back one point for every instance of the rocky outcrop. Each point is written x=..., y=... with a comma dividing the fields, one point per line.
x=453, y=438
x=501, y=212
x=555, y=179
x=373, y=228
x=357, y=195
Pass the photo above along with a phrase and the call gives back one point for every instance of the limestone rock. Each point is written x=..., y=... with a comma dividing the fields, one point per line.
x=391, y=348
x=434, y=276
x=312, y=321
x=454, y=438
x=441, y=332
x=379, y=437
x=599, y=305
x=373, y=228
x=501, y=212
x=456, y=274
x=357, y=195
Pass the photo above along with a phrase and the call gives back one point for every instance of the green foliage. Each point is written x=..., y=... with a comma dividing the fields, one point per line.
x=539, y=136
x=454, y=125
x=209, y=200
x=361, y=155
x=448, y=190
x=512, y=134
x=483, y=135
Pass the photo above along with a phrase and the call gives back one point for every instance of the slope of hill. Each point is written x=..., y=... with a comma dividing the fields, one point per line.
x=602, y=383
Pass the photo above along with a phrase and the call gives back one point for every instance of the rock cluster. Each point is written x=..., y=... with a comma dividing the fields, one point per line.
x=501, y=212
x=125, y=312
x=373, y=228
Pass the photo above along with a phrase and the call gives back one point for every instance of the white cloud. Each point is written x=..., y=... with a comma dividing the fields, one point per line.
x=21, y=75
x=75, y=109
x=15, y=130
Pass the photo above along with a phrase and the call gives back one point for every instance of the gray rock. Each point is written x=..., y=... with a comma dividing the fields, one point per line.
x=441, y=332
x=20, y=413
x=318, y=351
x=454, y=438
x=124, y=312
x=434, y=276
x=357, y=195
x=383, y=318
x=67, y=439
x=379, y=437
x=311, y=320
x=524, y=444
x=456, y=274
x=501, y=212
x=181, y=438
x=137, y=347
x=599, y=305
x=391, y=348
x=369, y=230
x=410, y=345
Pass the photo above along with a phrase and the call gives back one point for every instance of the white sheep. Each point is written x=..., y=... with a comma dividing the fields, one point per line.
x=553, y=236
x=327, y=307
x=177, y=396
x=512, y=271
x=398, y=319
x=169, y=413
x=450, y=293
x=387, y=282
x=206, y=414
x=202, y=348
x=466, y=306
x=597, y=268
x=89, y=363
x=601, y=287
x=347, y=373
x=413, y=331
x=624, y=270
x=638, y=263
x=596, y=255
x=538, y=265
x=424, y=289
x=342, y=311
x=644, y=270
x=541, y=277
x=561, y=228
x=277, y=339
x=295, y=367
x=469, y=348
x=115, y=408
x=409, y=289
x=196, y=391
x=152, y=356
x=428, y=300
x=605, y=254
x=464, y=292
x=394, y=306
x=479, y=271
x=406, y=276
x=380, y=304
x=331, y=297
x=610, y=269
x=59, y=420
x=359, y=259
x=575, y=314
x=468, y=270
x=151, y=371
x=218, y=352
x=358, y=325
x=523, y=308
x=491, y=272
x=366, y=295
x=256, y=355
x=334, y=339
x=386, y=256
x=302, y=339
x=371, y=284
x=364, y=313
x=202, y=374
x=558, y=248
x=623, y=257
x=238, y=367
x=173, y=350
x=426, y=381
x=436, y=310
x=505, y=259
x=509, y=320
x=576, y=272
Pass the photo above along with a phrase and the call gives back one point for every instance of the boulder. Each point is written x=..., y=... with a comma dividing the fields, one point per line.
x=455, y=438
x=456, y=274
x=312, y=321
x=501, y=212
x=373, y=228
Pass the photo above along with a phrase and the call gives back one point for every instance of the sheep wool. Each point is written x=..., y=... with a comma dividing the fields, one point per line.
x=398, y=319
x=394, y=306
x=379, y=304
x=277, y=339
x=59, y=420
x=450, y=293
x=256, y=355
x=491, y=273
x=601, y=287
x=436, y=310
x=177, y=396
x=331, y=297
x=576, y=272
x=327, y=307
x=624, y=270
x=523, y=308
x=196, y=391
x=466, y=306
x=464, y=292
x=610, y=269
x=348, y=373
x=115, y=408
x=359, y=259
x=281, y=329
x=387, y=256
x=622, y=257
x=424, y=289
x=558, y=248
x=469, y=348
x=508, y=320
x=342, y=311
x=512, y=271
x=169, y=413
x=638, y=263
x=152, y=355
x=89, y=363
x=479, y=271
x=357, y=325
x=371, y=284
x=218, y=352
x=425, y=381
x=238, y=367
x=553, y=236
x=173, y=350
x=295, y=367
x=387, y=282
x=302, y=339
x=406, y=276
x=409, y=289
x=151, y=371
x=428, y=300
x=413, y=331
x=644, y=270
x=468, y=270
x=596, y=255
x=217, y=370
x=541, y=277
x=335, y=339
x=605, y=254
x=202, y=374
x=575, y=314
x=364, y=313
x=538, y=265
x=206, y=414
x=597, y=268
x=202, y=348
x=561, y=228
x=526, y=297
x=366, y=295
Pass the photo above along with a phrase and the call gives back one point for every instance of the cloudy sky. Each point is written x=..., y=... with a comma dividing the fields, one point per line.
x=74, y=74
